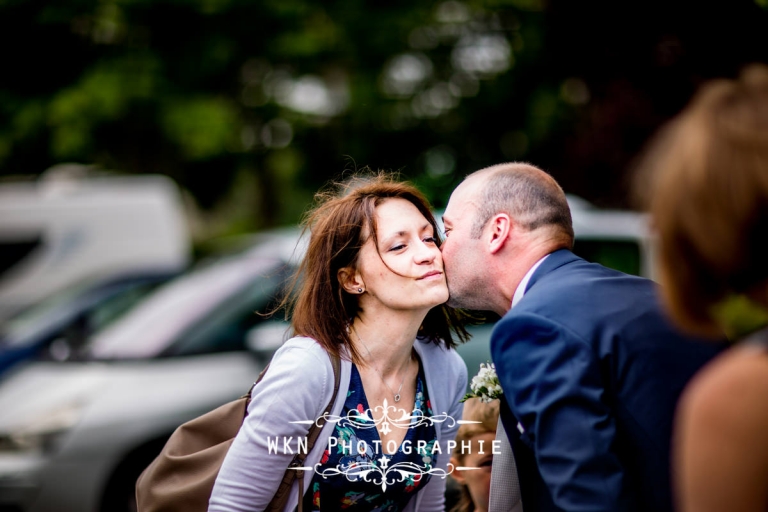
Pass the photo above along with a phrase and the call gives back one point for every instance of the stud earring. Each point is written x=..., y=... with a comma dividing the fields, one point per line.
x=359, y=290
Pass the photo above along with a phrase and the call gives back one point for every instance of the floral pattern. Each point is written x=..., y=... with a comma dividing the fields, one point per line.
x=338, y=493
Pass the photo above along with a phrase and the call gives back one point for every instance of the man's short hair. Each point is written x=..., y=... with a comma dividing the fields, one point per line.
x=529, y=195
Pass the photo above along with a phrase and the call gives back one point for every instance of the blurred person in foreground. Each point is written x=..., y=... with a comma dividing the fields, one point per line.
x=590, y=367
x=709, y=203
x=474, y=449
x=373, y=292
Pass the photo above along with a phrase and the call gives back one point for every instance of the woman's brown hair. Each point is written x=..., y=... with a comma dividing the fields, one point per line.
x=708, y=197
x=338, y=225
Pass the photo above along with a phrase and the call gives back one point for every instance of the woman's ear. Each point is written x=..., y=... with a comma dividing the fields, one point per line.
x=350, y=280
x=457, y=474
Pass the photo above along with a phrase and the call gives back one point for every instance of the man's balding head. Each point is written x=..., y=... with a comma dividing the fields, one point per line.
x=527, y=194
x=498, y=223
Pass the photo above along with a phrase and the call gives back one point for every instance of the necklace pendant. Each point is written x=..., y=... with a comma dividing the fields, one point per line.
x=397, y=397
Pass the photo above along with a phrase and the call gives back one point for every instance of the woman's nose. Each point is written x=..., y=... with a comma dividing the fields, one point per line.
x=427, y=253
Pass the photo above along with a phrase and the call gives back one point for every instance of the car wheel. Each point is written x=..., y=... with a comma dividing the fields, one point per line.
x=120, y=492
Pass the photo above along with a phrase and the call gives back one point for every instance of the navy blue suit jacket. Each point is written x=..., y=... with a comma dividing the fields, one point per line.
x=592, y=370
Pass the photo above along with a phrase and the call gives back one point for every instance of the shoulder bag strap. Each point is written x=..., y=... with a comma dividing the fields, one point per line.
x=296, y=468
x=247, y=396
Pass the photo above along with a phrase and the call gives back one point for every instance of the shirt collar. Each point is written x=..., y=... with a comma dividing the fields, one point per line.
x=520, y=291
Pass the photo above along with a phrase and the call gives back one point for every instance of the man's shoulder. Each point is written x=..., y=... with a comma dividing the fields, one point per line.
x=585, y=300
x=583, y=281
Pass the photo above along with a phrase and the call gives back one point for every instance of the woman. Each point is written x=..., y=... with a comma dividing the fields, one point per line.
x=372, y=293
x=709, y=203
x=474, y=449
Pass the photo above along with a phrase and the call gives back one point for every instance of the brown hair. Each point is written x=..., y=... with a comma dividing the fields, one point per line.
x=338, y=224
x=487, y=413
x=708, y=196
x=528, y=194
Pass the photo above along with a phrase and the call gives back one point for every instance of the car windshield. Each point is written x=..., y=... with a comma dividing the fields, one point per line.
x=39, y=316
x=95, y=302
x=151, y=327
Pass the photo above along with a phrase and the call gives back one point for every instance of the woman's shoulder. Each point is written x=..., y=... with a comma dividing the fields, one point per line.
x=300, y=367
x=730, y=390
x=305, y=356
x=722, y=449
x=311, y=345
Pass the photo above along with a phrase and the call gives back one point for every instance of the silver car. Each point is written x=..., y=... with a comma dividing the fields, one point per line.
x=75, y=435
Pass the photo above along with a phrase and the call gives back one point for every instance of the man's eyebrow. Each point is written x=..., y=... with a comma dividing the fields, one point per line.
x=445, y=221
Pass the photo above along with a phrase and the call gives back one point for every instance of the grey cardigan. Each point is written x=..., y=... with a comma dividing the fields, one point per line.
x=297, y=387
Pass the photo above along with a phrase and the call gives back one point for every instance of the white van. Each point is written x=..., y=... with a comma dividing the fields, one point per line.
x=55, y=233
x=619, y=239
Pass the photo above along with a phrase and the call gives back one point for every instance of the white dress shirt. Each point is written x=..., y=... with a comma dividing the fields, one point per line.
x=520, y=291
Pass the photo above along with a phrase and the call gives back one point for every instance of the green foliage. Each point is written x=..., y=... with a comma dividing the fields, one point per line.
x=5, y=146
x=201, y=127
x=285, y=90
x=29, y=119
x=739, y=316
x=317, y=34
x=103, y=93
x=542, y=114
x=292, y=91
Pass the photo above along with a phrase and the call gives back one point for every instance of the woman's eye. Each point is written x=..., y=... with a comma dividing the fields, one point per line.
x=431, y=240
x=397, y=247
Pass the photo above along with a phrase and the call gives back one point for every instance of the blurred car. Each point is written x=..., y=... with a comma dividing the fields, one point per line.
x=59, y=325
x=75, y=435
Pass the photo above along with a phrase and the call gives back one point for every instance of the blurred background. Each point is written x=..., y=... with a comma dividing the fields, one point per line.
x=156, y=155
x=250, y=106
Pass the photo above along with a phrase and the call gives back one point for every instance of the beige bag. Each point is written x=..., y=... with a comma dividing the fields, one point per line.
x=181, y=478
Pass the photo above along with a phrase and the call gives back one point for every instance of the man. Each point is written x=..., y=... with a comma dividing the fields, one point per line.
x=590, y=367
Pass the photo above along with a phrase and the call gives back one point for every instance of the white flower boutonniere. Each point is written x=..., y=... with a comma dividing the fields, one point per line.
x=485, y=385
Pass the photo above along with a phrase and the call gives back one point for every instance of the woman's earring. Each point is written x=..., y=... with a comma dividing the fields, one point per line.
x=359, y=290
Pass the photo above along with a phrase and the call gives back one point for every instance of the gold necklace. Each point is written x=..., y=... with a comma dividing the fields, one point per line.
x=396, y=395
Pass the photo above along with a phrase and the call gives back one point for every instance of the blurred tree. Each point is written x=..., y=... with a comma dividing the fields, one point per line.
x=253, y=105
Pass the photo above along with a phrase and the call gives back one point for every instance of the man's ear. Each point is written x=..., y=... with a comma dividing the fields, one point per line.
x=457, y=475
x=500, y=227
x=350, y=280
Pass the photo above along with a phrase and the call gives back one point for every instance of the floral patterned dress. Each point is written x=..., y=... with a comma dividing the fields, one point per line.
x=357, y=474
